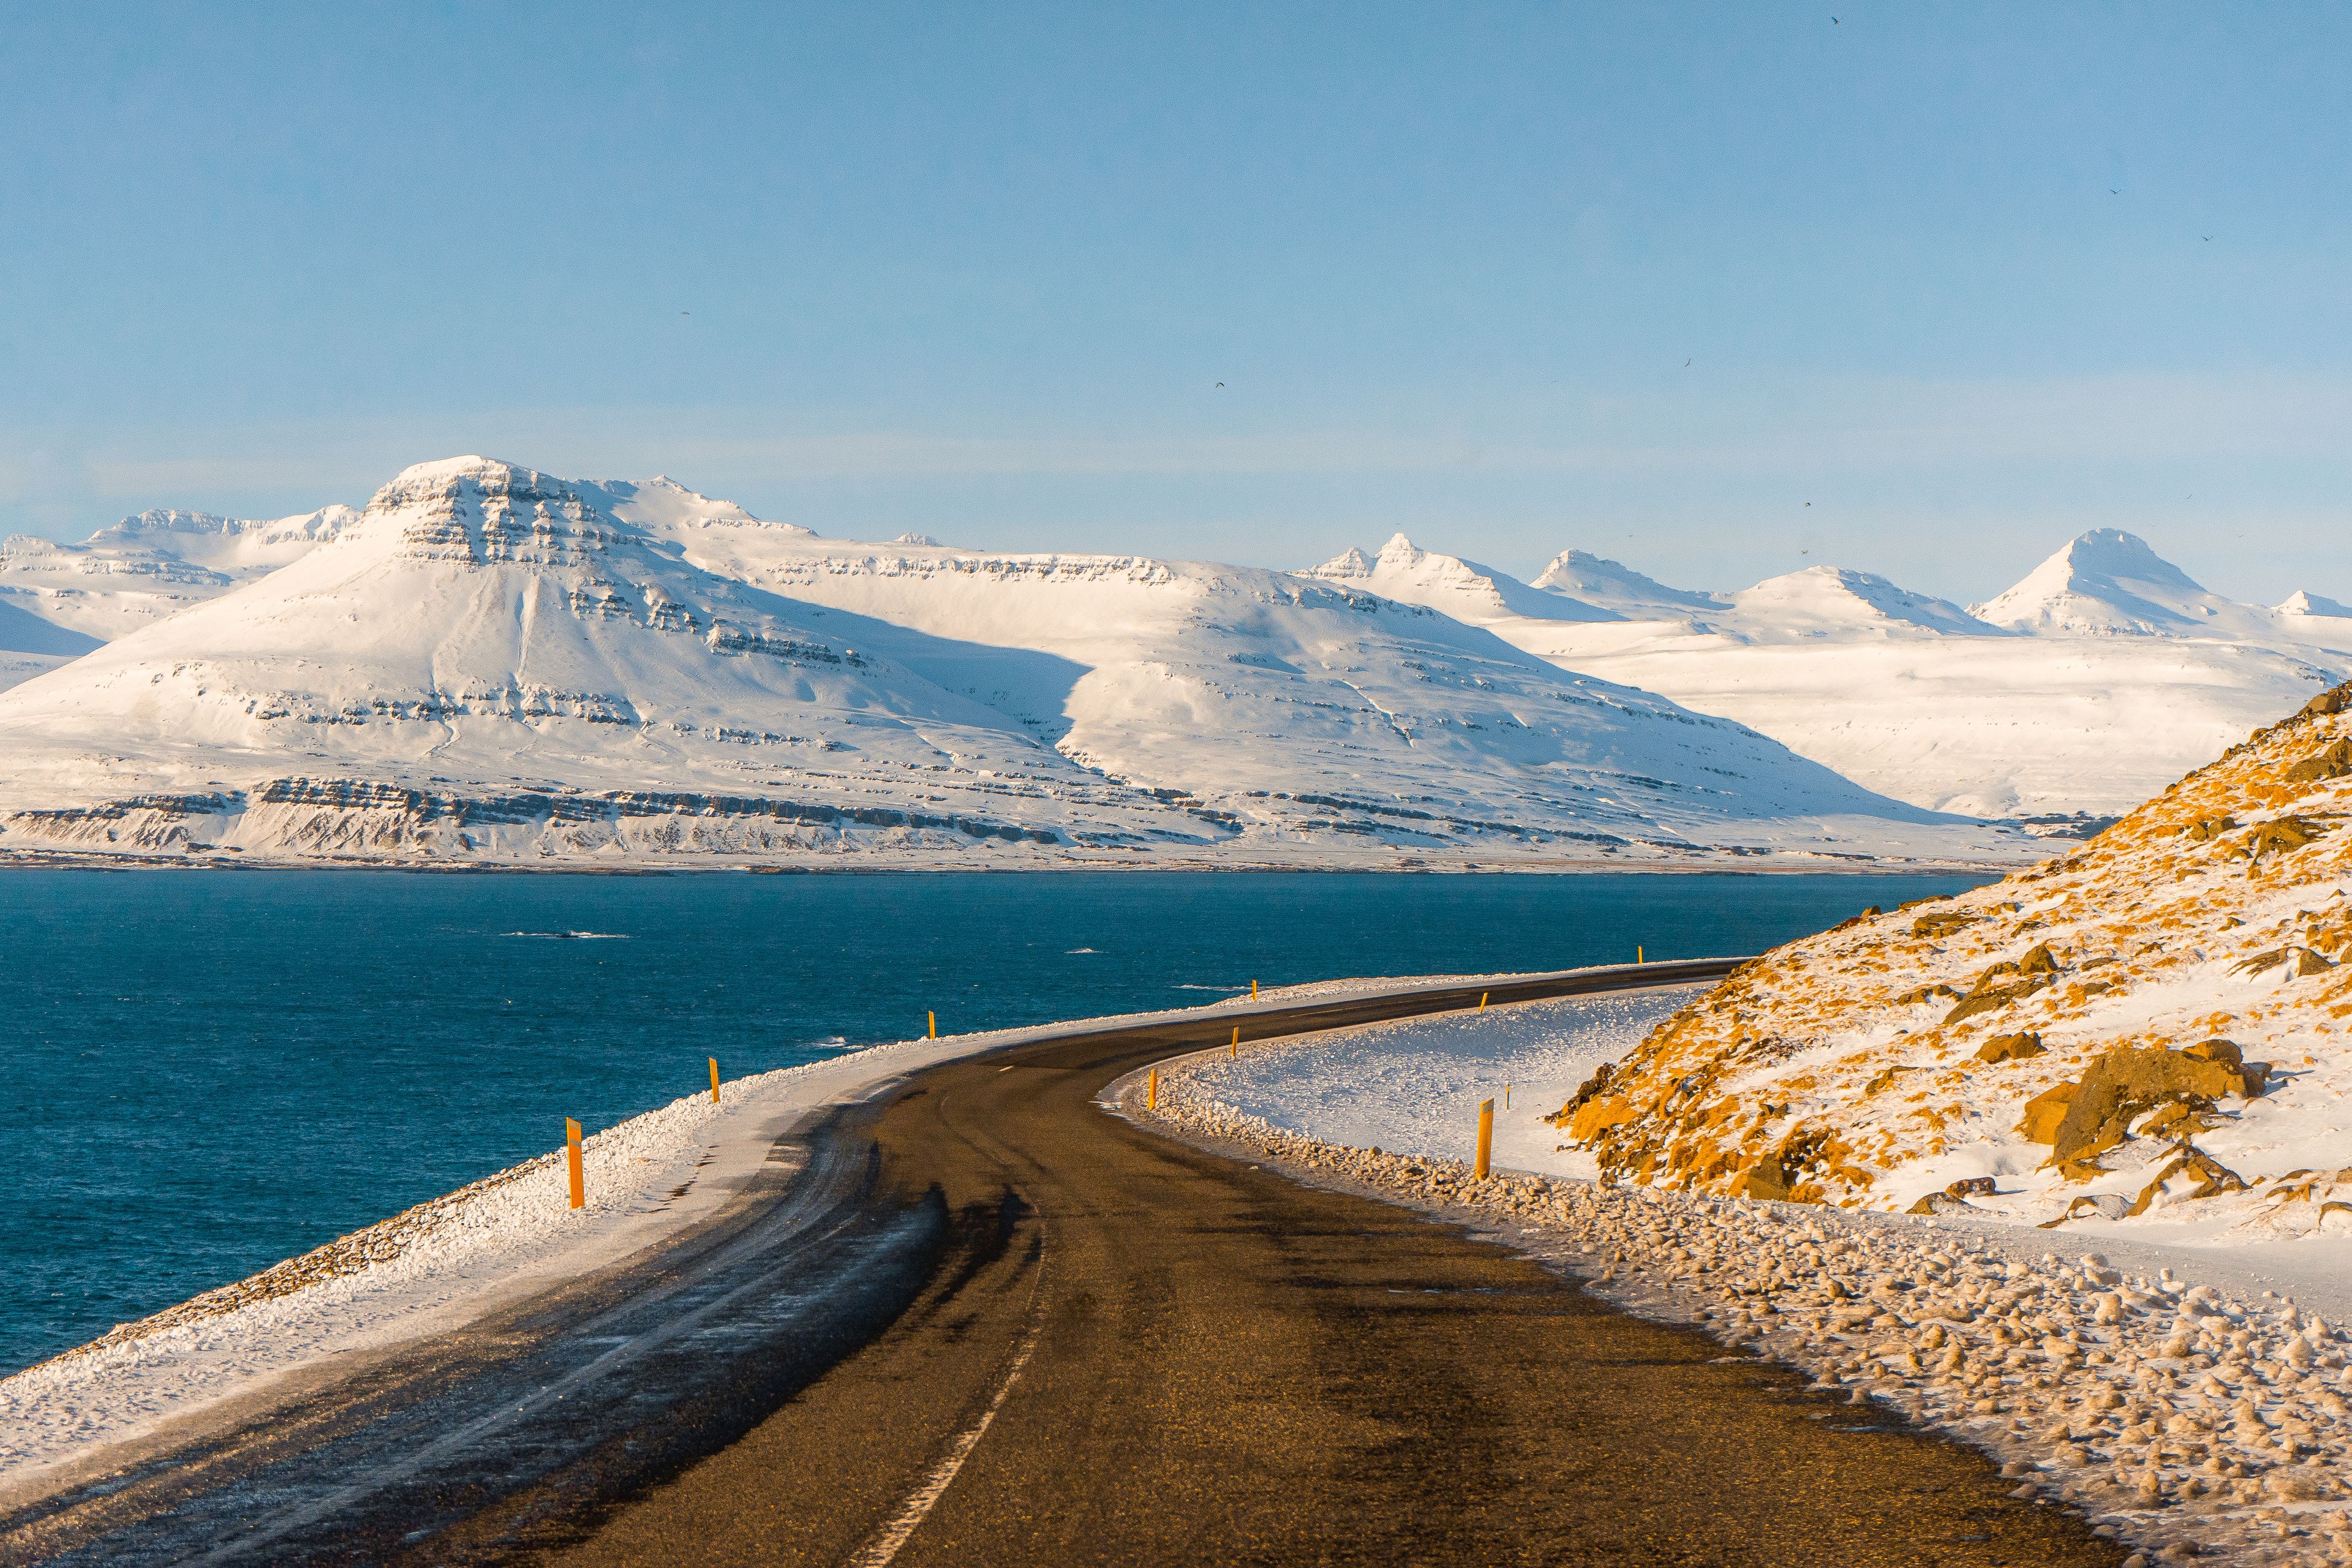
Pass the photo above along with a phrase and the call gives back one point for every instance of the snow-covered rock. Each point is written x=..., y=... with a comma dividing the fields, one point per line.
x=2055, y=710
x=492, y=663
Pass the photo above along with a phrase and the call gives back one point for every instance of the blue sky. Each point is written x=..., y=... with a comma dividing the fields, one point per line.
x=1644, y=281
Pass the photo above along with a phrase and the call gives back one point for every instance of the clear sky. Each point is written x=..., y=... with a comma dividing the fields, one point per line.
x=1643, y=280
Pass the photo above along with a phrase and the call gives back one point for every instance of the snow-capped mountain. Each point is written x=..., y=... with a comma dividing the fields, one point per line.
x=1617, y=589
x=2107, y=583
x=492, y=663
x=152, y=566
x=2308, y=604
x=2102, y=677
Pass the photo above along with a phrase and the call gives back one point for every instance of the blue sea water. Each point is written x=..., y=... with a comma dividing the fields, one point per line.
x=201, y=1073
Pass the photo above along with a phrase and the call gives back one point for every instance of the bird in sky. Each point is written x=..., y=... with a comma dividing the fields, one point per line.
x=2209, y=239
x=1686, y=364
x=1221, y=383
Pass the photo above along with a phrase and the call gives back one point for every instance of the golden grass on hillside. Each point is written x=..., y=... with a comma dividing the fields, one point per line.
x=1933, y=1056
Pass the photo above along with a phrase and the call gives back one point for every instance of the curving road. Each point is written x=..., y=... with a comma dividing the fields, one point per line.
x=982, y=1321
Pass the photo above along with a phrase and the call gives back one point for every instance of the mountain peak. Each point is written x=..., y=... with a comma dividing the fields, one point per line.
x=2108, y=583
x=1613, y=586
x=1351, y=564
x=2308, y=604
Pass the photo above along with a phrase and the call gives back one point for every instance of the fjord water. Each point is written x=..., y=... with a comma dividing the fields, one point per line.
x=206, y=1072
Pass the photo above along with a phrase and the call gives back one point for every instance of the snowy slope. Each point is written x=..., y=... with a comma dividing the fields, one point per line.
x=2065, y=710
x=491, y=662
x=2154, y=1032
x=1309, y=707
x=30, y=645
x=152, y=565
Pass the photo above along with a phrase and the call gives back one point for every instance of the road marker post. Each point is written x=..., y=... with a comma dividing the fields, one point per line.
x=1637, y=953
x=714, y=1080
x=1482, y=1000
x=1236, y=1049
x=1252, y=990
x=1486, y=1139
x=1506, y=1097
x=1151, y=1094
x=933, y=1024
x=571, y=1158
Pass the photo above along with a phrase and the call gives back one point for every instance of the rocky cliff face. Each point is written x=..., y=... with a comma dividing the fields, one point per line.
x=2154, y=1029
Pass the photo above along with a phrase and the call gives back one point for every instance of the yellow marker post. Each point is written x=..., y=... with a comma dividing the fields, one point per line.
x=714, y=1080
x=1506, y=1097
x=1637, y=953
x=934, y=1024
x=1252, y=990
x=1151, y=1094
x=1486, y=1139
x=1482, y=1000
x=571, y=1158
x=1236, y=1049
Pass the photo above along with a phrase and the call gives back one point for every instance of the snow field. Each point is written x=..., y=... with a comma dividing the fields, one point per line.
x=1413, y=1085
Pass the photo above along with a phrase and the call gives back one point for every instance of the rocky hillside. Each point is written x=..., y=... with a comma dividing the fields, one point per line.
x=2151, y=1030
x=491, y=664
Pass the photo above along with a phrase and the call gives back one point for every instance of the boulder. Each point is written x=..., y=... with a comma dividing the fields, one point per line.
x=2284, y=833
x=2044, y=1112
x=2334, y=700
x=2335, y=763
x=2015, y=1047
x=2129, y=1080
x=1942, y=923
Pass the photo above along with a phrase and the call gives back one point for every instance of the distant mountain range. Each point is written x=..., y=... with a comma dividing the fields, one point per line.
x=2100, y=678
x=493, y=665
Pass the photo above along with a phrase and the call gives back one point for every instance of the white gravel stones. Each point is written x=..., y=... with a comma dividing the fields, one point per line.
x=2189, y=1421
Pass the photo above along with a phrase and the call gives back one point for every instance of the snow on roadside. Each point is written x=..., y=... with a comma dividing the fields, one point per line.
x=1414, y=1084
x=2185, y=1418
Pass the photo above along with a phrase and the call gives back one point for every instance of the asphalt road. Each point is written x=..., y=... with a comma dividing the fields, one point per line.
x=990, y=1323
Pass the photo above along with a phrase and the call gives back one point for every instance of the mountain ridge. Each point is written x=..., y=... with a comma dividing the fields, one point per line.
x=494, y=664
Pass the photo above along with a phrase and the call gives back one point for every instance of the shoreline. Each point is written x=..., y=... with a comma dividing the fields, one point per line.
x=42, y=860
